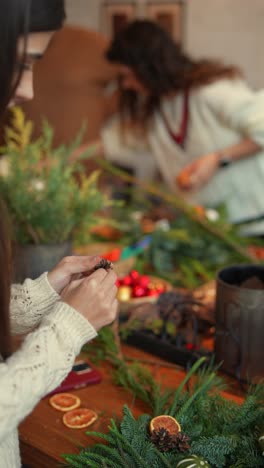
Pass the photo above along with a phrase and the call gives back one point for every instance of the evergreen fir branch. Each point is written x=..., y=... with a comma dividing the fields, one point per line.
x=161, y=402
x=203, y=388
x=257, y=391
x=248, y=460
x=203, y=374
x=139, y=461
x=194, y=368
x=108, y=438
x=214, y=424
x=105, y=465
x=111, y=454
x=129, y=461
x=129, y=426
x=215, y=449
x=250, y=412
x=73, y=461
x=163, y=459
x=93, y=460
x=140, y=382
x=238, y=464
x=212, y=439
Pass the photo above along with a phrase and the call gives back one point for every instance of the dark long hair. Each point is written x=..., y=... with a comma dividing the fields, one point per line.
x=160, y=66
x=17, y=18
x=5, y=275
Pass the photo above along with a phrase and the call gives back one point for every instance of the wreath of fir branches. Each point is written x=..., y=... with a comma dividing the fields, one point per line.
x=214, y=429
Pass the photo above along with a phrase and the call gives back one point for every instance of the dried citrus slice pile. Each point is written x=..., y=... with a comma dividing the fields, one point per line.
x=79, y=418
x=166, y=422
x=65, y=401
x=74, y=417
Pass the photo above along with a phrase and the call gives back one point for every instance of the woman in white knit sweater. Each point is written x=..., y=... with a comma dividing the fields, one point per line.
x=60, y=312
x=197, y=122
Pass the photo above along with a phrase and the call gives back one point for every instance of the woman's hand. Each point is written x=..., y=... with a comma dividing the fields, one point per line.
x=70, y=268
x=198, y=173
x=94, y=297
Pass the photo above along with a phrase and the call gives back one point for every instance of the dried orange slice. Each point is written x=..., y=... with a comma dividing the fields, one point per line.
x=166, y=422
x=79, y=418
x=65, y=401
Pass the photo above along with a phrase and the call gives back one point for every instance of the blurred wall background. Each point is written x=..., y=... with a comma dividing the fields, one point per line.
x=232, y=30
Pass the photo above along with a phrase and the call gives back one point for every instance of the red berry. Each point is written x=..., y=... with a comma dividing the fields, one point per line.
x=127, y=280
x=144, y=281
x=134, y=275
x=138, y=291
x=152, y=292
x=190, y=346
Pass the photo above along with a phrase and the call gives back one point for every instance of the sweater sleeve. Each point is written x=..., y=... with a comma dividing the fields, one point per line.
x=128, y=150
x=115, y=141
x=238, y=107
x=29, y=302
x=40, y=365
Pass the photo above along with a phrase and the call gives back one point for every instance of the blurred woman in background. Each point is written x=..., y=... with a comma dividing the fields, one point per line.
x=196, y=121
x=64, y=312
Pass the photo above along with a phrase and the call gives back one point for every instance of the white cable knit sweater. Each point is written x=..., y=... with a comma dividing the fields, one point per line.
x=42, y=362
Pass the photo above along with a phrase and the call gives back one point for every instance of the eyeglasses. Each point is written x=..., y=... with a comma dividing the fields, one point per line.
x=28, y=63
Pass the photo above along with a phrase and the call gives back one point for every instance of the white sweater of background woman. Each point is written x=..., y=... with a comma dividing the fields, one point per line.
x=221, y=114
x=42, y=362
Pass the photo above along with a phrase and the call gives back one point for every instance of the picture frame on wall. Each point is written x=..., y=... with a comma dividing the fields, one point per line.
x=169, y=15
x=116, y=15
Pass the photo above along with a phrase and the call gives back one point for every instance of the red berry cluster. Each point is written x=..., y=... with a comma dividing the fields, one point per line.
x=141, y=285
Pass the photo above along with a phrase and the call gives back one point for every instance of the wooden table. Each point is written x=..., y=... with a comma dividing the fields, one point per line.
x=43, y=436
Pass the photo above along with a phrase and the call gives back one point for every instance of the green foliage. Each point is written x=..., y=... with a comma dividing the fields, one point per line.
x=49, y=200
x=129, y=446
x=188, y=255
x=133, y=377
x=138, y=380
x=216, y=427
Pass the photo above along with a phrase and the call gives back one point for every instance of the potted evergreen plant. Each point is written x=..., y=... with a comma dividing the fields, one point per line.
x=49, y=200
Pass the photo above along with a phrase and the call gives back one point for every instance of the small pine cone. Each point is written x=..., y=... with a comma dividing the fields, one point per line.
x=106, y=264
x=163, y=440
x=183, y=442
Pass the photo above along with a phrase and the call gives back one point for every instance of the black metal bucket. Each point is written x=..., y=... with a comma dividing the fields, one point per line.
x=240, y=322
